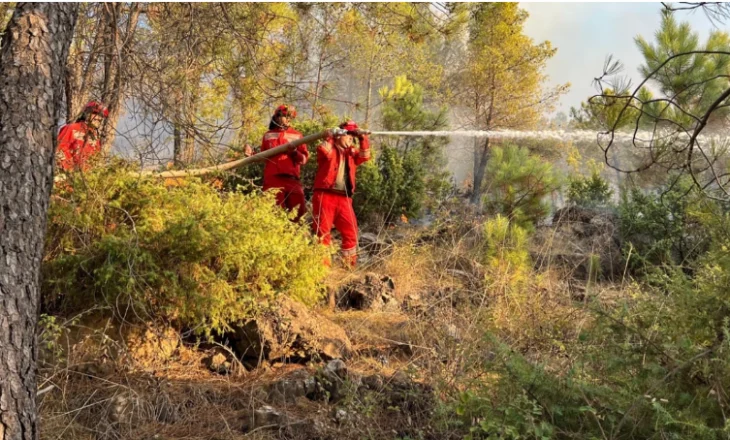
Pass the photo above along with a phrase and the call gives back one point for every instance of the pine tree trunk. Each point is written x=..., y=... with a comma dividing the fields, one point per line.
x=367, y=104
x=32, y=66
x=188, y=153
x=177, y=146
x=481, y=157
x=79, y=73
x=114, y=98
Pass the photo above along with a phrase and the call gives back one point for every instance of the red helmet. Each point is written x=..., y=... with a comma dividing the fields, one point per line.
x=96, y=108
x=350, y=125
x=286, y=110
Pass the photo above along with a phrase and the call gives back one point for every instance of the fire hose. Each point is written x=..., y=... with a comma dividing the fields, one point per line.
x=259, y=157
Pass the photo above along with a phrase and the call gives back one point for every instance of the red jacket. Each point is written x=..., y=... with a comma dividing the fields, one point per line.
x=76, y=145
x=288, y=164
x=328, y=162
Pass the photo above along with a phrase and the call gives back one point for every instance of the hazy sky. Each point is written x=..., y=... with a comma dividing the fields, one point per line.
x=585, y=33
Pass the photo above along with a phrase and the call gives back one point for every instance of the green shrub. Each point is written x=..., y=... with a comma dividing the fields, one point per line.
x=186, y=253
x=518, y=184
x=664, y=227
x=390, y=185
x=407, y=175
x=507, y=250
x=647, y=362
x=589, y=191
x=523, y=400
x=667, y=346
x=525, y=308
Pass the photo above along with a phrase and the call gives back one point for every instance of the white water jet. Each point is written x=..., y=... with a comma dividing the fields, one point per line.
x=563, y=135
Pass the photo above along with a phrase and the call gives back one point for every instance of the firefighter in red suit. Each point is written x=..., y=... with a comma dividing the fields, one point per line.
x=334, y=184
x=282, y=171
x=79, y=141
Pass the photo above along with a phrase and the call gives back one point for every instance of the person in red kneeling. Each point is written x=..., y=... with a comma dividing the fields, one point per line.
x=79, y=141
x=282, y=171
x=334, y=184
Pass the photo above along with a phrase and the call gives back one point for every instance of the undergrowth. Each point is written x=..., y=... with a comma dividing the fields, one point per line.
x=188, y=253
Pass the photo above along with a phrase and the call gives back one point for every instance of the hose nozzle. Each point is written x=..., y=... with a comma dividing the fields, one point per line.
x=358, y=132
x=338, y=131
x=343, y=132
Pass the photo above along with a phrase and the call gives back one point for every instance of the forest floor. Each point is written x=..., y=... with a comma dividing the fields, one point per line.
x=418, y=344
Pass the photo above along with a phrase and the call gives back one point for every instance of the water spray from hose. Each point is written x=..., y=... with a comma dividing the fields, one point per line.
x=558, y=135
x=603, y=138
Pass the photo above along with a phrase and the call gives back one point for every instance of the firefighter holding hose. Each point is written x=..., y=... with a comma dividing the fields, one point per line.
x=79, y=141
x=334, y=184
x=282, y=172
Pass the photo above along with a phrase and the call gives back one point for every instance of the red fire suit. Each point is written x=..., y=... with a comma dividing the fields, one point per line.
x=332, y=199
x=77, y=143
x=283, y=171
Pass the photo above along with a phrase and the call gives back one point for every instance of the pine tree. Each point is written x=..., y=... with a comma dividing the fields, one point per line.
x=501, y=83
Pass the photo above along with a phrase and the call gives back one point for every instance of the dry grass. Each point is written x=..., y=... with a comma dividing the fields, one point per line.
x=438, y=337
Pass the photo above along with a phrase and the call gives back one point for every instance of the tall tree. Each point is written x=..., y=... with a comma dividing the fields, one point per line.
x=209, y=70
x=33, y=57
x=602, y=112
x=500, y=84
x=693, y=81
x=100, y=60
x=317, y=52
x=386, y=39
x=693, y=97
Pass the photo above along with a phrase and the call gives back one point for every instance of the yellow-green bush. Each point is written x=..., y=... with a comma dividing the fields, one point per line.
x=525, y=309
x=187, y=253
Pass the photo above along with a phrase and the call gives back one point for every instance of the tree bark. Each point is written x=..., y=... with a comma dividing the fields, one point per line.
x=32, y=65
x=481, y=157
x=367, y=102
x=80, y=72
x=114, y=97
x=317, y=84
x=188, y=153
x=176, y=146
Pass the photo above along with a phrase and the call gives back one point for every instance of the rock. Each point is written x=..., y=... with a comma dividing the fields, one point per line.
x=371, y=244
x=333, y=380
x=336, y=368
x=308, y=429
x=295, y=385
x=371, y=292
x=581, y=240
x=412, y=398
x=341, y=416
x=220, y=361
x=400, y=379
x=373, y=382
x=452, y=332
x=367, y=237
x=290, y=332
x=265, y=417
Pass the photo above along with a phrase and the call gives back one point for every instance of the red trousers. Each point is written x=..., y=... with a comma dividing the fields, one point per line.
x=290, y=195
x=332, y=209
